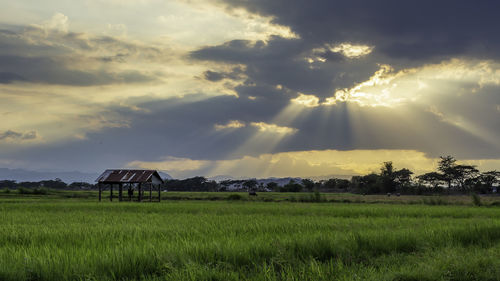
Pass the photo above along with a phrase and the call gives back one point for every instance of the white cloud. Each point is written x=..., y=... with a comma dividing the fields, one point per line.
x=387, y=87
x=350, y=50
x=273, y=128
x=306, y=100
x=59, y=22
x=233, y=124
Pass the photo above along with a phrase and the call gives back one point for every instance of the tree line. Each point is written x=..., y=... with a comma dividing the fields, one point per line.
x=52, y=184
x=450, y=177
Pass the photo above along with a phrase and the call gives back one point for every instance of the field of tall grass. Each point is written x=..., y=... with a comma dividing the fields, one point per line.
x=245, y=240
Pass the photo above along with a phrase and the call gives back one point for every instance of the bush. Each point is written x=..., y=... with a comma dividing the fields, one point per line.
x=23, y=190
x=40, y=191
x=7, y=191
x=317, y=197
x=234, y=197
x=435, y=201
x=476, y=200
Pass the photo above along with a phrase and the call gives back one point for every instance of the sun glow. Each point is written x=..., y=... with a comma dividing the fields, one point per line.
x=351, y=51
x=313, y=163
x=306, y=100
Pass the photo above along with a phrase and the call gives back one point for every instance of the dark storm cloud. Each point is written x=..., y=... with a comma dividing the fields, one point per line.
x=213, y=75
x=284, y=62
x=403, y=33
x=40, y=56
x=9, y=77
x=235, y=74
x=53, y=71
x=408, y=29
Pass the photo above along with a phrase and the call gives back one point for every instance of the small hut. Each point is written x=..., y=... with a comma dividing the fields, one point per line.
x=131, y=179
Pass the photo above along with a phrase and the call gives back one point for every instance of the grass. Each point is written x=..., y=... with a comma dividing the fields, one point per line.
x=75, y=239
x=91, y=196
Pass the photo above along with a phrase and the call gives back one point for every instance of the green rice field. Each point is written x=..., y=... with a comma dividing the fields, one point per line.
x=80, y=239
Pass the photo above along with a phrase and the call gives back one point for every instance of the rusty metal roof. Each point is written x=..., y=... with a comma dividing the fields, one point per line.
x=127, y=176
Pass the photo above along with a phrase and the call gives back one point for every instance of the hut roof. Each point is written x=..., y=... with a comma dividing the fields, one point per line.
x=127, y=176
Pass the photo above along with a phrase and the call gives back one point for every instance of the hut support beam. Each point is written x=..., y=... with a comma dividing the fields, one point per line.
x=120, y=192
x=100, y=191
x=140, y=192
x=111, y=192
x=150, y=192
x=159, y=193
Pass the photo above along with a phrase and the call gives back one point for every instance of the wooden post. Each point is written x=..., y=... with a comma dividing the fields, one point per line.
x=100, y=191
x=159, y=193
x=129, y=195
x=111, y=192
x=120, y=192
x=150, y=192
x=140, y=192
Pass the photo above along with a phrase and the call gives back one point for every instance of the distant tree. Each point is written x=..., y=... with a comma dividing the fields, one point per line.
x=250, y=185
x=211, y=185
x=342, y=183
x=192, y=184
x=447, y=166
x=393, y=180
x=8, y=184
x=334, y=184
x=81, y=185
x=464, y=174
x=330, y=184
x=403, y=177
x=55, y=184
x=272, y=186
x=387, y=177
x=490, y=178
x=433, y=179
x=261, y=187
x=291, y=186
x=308, y=184
x=224, y=185
x=368, y=184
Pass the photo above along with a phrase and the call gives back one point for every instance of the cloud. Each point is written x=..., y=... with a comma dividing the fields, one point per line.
x=292, y=63
x=10, y=135
x=9, y=77
x=306, y=100
x=233, y=124
x=58, y=22
x=351, y=51
x=235, y=74
x=421, y=30
x=347, y=76
x=184, y=128
x=273, y=128
x=50, y=54
x=174, y=164
x=342, y=44
x=52, y=71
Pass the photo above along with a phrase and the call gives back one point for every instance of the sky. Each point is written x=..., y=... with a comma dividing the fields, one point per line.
x=305, y=88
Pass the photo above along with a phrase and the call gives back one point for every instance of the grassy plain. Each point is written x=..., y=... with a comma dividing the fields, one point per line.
x=75, y=238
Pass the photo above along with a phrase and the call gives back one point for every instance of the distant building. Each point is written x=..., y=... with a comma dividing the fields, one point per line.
x=132, y=180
